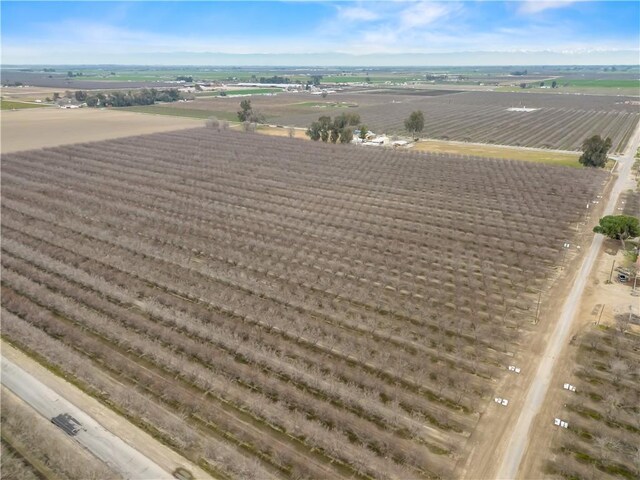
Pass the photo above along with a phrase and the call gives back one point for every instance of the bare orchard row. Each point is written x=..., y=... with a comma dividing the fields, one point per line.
x=554, y=121
x=603, y=438
x=303, y=309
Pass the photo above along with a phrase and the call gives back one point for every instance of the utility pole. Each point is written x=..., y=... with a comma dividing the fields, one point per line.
x=611, y=273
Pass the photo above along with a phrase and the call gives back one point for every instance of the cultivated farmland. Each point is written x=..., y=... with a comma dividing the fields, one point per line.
x=277, y=308
x=558, y=121
x=603, y=440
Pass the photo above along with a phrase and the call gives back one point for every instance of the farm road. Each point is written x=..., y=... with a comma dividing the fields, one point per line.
x=536, y=393
x=117, y=454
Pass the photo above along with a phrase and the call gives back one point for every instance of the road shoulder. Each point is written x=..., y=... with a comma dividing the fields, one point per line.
x=163, y=456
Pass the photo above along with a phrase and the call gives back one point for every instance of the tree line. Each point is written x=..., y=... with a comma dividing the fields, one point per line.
x=125, y=99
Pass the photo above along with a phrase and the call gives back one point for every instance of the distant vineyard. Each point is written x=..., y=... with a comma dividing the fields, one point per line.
x=277, y=308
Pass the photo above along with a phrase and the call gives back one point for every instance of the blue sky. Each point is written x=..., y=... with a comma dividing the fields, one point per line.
x=119, y=32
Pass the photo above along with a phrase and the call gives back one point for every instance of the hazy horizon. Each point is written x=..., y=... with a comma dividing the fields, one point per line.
x=312, y=33
x=455, y=59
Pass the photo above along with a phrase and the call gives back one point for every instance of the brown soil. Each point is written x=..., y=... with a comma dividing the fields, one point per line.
x=49, y=127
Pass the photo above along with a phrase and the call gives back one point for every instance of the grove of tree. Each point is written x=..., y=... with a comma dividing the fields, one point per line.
x=338, y=129
x=146, y=96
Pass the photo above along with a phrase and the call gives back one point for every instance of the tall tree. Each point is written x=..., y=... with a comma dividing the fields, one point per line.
x=415, y=123
x=325, y=127
x=246, y=111
x=346, y=135
x=618, y=227
x=595, y=151
x=248, y=114
x=313, y=132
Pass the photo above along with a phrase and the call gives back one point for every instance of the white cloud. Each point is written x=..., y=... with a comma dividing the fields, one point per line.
x=424, y=13
x=529, y=7
x=357, y=14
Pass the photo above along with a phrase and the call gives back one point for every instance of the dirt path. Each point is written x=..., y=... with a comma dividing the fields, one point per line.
x=519, y=436
x=163, y=456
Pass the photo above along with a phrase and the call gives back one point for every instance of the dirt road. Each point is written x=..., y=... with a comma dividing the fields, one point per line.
x=519, y=438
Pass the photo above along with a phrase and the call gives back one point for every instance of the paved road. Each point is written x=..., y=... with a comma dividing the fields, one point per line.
x=117, y=454
x=519, y=440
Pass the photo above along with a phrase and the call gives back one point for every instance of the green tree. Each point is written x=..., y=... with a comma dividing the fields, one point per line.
x=346, y=135
x=363, y=132
x=347, y=119
x=248, y=114
x=325, y=128
x=332, y=131
x=415, y=123
x=246, y=111
x=81, y=96
x=554, y=84
x=595, y=151
x=56, y=96
x=313, y=132
x=619, y=227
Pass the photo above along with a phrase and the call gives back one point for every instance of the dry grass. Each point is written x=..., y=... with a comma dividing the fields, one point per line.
x=511, y=153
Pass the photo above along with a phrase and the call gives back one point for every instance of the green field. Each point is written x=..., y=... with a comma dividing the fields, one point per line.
x=372, y=79
x=142, y=75
x=181, y=112
x=601, y=83
x=246, y=91
x=10, y=105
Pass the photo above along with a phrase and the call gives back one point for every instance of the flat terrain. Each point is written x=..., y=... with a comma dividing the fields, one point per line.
x=44, y=449
x=11, y=105
x=121, y=457
x=158, y=453
x=602, y=414
x=38, y=128
x=556, y=122
x=279, y=308
x=494, y=151
x=551, y=157
x=603, y=433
